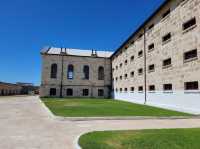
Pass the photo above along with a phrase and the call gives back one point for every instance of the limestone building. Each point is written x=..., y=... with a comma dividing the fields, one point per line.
x=7, y=89
x=75, y=73
x=159, y=64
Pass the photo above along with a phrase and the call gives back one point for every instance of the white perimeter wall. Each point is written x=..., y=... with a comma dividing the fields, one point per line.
x=180, y=101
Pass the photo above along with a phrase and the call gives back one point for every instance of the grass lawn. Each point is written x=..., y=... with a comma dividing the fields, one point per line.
x=103, y=107
x=143, y=139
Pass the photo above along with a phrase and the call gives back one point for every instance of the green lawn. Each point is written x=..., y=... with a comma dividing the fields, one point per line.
x=143, y=139
x=103, y=107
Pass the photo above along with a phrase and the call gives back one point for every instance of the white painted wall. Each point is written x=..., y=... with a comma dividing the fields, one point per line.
x=179, y=100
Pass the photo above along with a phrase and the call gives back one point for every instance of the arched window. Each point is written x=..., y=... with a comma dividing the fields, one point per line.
x=101, y=73
x=54, y=71
x=86, y=71
x=70, y=72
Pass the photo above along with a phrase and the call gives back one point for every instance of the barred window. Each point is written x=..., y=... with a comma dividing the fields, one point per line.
x=192, y=85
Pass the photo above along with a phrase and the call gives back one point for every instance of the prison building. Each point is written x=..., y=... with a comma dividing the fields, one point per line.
x=75, y=73
x=7, y=89
x=159, y=64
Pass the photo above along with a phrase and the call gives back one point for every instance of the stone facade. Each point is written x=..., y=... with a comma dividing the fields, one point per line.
x=76, y=81
x=162, y=57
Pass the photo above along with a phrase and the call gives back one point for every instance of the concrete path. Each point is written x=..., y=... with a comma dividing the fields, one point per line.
x=26, y=124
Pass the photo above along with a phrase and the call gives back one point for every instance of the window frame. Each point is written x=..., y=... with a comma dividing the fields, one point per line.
x=190, y=27
x=68, y=90
x=185, y=60
x=165, y=41
x=195, y=87
x=54, y=71
x=84, y=91
x=164, y=66
x=52, y=92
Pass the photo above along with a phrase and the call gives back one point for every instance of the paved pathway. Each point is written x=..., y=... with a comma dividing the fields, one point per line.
x=26, y=124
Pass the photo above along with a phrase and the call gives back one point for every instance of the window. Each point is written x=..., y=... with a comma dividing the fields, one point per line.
x=54, y=71
x=140, y=88
x=191, y=55
x=126, y=76
x=192, y=85
x=121, y=65
x=116, y=78
x=151, y=68
x=132, y=74
x=100, y=92
x=151, y=26
x=132, y=89
x=167, y=87
x=140, y=71
x=125, y=89
x=116, y=67
x=113, y=69
x=101, y=73
x=70, y=72
x=85, y=92
x=86, y=71
x=166, y=38
x=167, y=13
x=126, y=62
x=69, y=92
x=189, y=24
x=167, y=63
x=151, y=47
x=52, y=91
x=140, y=53
x=116, y=89
x=152, y=88
x=120, y=77
x=120, y=89
x=132, y=58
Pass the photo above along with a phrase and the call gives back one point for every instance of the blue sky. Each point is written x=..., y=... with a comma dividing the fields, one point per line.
x=28, y=25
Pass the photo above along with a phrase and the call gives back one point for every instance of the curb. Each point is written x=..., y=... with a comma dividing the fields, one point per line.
x=77, y=146
x=50, y=114
x=123, y=118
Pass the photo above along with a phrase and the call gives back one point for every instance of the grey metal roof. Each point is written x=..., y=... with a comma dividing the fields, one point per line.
x=75, y=52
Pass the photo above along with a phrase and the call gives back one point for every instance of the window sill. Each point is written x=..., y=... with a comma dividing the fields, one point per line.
x=150, y=71
x=165, y=42
x=141, y=92
x=152, y=92
x=140, y=56
x=150, y=50
x=140, y=74
x=189, y=29
x=84, y=79
x=165, y=67
x=168, y=92
x=165, y=18
x=190, y=60
x=191, y=92
x=184, y=2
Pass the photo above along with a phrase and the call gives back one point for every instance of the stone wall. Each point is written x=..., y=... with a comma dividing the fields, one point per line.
x=78, y=83
x=177, y=73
